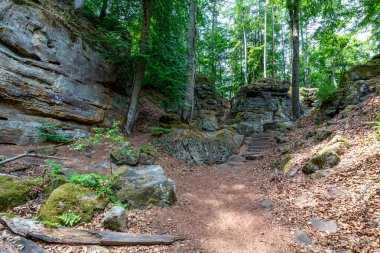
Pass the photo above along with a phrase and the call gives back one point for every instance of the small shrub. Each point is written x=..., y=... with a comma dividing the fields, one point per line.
x=56, y=170
x=69, y=219
x=161, y=130
x=47, y=130
x=148, y=150
x=102, y=135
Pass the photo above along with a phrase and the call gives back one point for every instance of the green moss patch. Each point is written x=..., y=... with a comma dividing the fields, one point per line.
x=284, y=163
x=15, y=191
x=71, y=198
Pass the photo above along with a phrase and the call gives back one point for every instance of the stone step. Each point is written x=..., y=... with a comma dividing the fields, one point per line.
x=253, y=157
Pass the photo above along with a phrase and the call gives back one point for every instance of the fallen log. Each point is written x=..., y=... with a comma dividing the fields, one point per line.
x=62, y=235
x=11, y=243
x=31, y=155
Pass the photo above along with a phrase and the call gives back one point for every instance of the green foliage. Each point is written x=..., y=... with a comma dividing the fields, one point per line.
x=50, y=224
x=47, y=130
x=161, y=130
x=56, y=170
x=120, y=204
x=102, y=135
x=148, y=150
x=69, y=219
x=103, y=185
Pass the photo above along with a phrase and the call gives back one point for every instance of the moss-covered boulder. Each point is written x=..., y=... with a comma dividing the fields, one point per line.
x=71, y=198
x=125, y=156
x=146, y=187
x=284, y=163
x=328, y=157
x=15, y=191
x=200, y=147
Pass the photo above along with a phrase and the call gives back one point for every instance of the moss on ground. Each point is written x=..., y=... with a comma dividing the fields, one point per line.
x=15, y=191
x=284, y=163
x=71, y=198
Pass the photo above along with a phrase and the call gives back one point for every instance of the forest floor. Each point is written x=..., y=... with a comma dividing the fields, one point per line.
x=218, y=207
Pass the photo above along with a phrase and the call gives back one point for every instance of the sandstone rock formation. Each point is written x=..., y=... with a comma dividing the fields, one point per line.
x=208, y=103
x=266, y=101
x=358, y=84
x=49, y=73
x=200, y=147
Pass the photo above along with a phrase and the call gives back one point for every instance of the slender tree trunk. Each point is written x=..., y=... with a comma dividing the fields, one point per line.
x=293, y=8
x=213, y=67
x=273, y=46
x=140, y=66
x=187, y=112
x=103, y=11
x=333, y=76
x=283, y=53
x=265, y=39
x=245, y=56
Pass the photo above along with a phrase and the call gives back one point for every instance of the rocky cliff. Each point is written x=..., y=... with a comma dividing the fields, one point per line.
x=266, y=102
x=358, y=84
x=50, y=73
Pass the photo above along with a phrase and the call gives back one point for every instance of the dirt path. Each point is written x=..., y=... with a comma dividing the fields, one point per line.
x=218, y=209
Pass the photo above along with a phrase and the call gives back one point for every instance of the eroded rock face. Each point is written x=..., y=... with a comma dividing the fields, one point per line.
x=48, y=71
x=208, y=103
x=200, y=147
x=358, y=84
x=266, y=101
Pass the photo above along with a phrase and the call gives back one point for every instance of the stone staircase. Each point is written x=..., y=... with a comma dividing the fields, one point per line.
x=257, y=145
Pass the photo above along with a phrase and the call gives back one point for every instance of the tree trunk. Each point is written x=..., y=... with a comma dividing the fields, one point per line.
x=245, y=56
x=265, y=39
x=333, y=76
x=103, y=11
x=293, y=8
x=213, y=67
x=273, y=48
x=283, y=53
x=187, y=112
x=140, y=66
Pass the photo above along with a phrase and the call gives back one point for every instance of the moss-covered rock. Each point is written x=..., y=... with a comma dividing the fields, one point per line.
x=317, y=175
x=169, y=120
x=339, y=139
x=284, y=163
x=146, y=187
x=125, y=156
x=15, y=191
x=71, y=198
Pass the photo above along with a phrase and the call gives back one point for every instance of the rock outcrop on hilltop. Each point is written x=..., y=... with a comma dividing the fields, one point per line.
x=49, y=73
x=263, y=104
x=358, y=84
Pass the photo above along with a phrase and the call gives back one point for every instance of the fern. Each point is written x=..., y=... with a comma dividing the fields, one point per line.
x=69, y=219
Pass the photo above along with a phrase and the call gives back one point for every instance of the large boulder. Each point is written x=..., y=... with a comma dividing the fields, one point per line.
x=15, y=191
x=146, y=187
x=199, y=147
x=50, y=73
x=71, y=198
x=265, y=101
x=328, y=157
